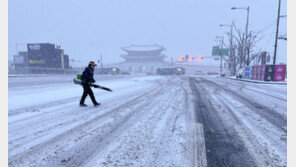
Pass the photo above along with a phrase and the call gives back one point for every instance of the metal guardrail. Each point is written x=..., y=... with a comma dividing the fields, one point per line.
x=38, y=70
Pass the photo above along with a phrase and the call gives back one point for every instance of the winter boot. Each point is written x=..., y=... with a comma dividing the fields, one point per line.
x=96, y=104
x=82, y=105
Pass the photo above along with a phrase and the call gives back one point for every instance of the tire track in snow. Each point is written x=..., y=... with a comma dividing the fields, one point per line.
x=45, y=122
x=36, y=108
x=267, y=113
x=223, y=146
x=245, y=86
x=64, y=108
x=57, y=139
x=225, y=107
x=40, y=143
x=142, y=140
x=263, y=152
x=171, y=133
x=94, y=145
x=266, y=143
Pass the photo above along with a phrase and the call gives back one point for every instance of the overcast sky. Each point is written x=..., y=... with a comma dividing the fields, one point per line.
x=87, y=28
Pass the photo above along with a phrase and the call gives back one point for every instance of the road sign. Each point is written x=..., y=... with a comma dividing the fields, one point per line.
x=219, y=52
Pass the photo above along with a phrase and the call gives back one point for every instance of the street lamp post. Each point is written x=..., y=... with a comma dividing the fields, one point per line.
x=231, y=57
x=246, y=50
x=222, y=43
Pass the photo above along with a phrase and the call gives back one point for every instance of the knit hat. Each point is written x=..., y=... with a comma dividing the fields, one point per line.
x=92, y=63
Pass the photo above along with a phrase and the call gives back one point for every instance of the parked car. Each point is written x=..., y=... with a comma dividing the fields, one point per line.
x=109, y=70
x=239, y=74
x=171, y=71
x=225, y=72
x=178, y=70
x=212, y=73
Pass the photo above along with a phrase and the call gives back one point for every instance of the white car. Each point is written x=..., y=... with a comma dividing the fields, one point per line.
x=240, y=73
x=225, y=72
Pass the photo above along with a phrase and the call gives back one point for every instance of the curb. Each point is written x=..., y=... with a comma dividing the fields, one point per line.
x=260, y=82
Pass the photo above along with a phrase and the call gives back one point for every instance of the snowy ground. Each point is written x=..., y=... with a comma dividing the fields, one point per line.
x=147, y=121
x=245, y=124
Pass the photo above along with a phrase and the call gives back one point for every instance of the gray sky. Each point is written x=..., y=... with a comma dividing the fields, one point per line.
x=87, y=28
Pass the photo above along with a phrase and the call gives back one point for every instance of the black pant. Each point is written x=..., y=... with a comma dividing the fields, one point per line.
x=87, y=91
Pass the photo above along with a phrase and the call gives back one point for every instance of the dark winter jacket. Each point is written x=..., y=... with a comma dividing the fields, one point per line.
x=88, y=76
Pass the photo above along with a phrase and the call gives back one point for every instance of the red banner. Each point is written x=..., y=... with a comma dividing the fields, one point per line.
x=280, y=72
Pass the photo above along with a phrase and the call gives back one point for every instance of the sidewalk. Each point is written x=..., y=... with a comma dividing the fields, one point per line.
x=256, y=81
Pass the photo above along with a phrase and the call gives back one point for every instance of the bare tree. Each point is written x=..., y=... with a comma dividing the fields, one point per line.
x=251, y=45
x=245, y=49
x=239, y=46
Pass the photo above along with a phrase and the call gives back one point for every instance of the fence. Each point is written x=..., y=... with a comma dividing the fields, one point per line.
x=266, y=72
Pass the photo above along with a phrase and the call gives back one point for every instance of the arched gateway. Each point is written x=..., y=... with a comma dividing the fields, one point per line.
x=143, y=58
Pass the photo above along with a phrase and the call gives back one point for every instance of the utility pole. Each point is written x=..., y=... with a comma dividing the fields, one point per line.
x=232, y=54
x=247, y=50
x=221, y=56
x=231, y=47
x=231, y=57
x=277, y=33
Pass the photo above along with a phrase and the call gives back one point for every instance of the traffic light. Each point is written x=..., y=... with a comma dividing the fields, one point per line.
x=200, y=58
x=191, y=58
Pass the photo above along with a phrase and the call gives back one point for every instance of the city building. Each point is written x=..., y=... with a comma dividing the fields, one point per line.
x=21, y=60
x=43, y=57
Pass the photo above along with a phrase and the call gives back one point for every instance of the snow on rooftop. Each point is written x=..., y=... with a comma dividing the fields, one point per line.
x=143, y=48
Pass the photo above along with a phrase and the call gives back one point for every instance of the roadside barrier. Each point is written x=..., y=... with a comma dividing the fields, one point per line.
x=269, y=73
x=248, y=72
x=266, y=72
x=280, y=72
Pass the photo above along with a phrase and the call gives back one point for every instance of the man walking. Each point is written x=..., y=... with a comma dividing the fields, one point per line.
x=87, y=79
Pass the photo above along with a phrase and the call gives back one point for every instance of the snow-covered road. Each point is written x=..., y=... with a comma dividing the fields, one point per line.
x=147, y=121
x=245, y=124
